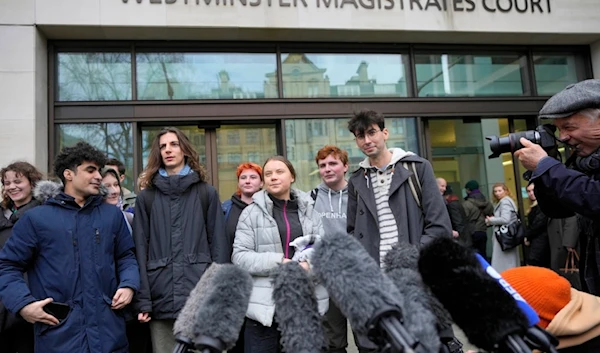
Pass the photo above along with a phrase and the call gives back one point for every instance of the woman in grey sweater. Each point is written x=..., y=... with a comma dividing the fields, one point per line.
x=505, y=212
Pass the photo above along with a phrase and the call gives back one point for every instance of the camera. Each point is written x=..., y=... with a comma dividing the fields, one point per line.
x=543, y=135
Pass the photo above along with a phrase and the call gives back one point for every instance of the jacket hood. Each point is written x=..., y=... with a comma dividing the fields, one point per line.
x=578, y=321
x=334, y=199
x=237, y=200
x=47, y=189
x=397, y=154
x=175, y=184
x=478, y=199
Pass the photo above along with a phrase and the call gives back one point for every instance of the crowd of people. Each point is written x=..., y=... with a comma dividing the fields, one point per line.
x=88, y=266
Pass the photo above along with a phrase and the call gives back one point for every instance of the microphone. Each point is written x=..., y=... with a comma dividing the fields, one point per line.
x=532, y=317
x=183, y=328
x=401, y=266
x=479, y=305
x=296, y=310
x=222, y=311
x=364, y=294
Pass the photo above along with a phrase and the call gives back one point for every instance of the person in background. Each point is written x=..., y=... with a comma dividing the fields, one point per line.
x=250, y=181
x=505, y=212
x=18, y=182
x=279, y=226
x=537, y=233
x=114, y=193
x=456, y=213
x=477, y=207
x=78, y=255
x=570, y=315
x=178, y=230
x=138, y=334
x=128, y=197
x=563, y=237
x=331, y=203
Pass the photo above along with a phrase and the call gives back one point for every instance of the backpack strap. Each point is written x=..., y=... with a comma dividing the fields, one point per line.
x=203, y=190
x=414, y=183
x=313, y=193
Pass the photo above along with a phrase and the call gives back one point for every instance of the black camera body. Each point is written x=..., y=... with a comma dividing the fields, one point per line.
x=543, y=135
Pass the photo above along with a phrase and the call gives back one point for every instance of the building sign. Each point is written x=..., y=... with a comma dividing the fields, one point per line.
x=492, y=6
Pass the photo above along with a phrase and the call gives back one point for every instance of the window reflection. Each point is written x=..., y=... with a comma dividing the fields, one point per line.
x=554, y=72
x=231, y=153
x=168, y=76
x=115, y=140
x=343, y=75
x=302, y=148
x=441, y=75
x=94, y=76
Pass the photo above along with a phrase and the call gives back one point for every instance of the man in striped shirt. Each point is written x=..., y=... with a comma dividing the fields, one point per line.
x=393, y=196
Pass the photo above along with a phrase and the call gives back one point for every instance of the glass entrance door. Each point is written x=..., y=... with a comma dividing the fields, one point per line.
x=222, y=149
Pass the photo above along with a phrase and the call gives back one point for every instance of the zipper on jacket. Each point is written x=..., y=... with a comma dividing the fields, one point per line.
x=287, y=230
x=97, y=236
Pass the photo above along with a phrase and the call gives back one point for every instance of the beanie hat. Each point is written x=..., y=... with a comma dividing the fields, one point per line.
x=472, y=185
x=545, y=290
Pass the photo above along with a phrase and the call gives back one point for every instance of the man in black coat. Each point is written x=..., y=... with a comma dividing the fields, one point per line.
x=456, y=212
x=563, y=192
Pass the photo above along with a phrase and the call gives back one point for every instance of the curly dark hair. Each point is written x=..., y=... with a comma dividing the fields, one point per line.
x=363, y=120
x=20, y=168
x=72, y=157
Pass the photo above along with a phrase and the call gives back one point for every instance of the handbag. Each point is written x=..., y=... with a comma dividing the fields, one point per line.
x=511, y=235
x=571, y=270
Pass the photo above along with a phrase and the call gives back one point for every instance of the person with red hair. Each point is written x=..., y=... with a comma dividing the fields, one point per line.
x=249, y=181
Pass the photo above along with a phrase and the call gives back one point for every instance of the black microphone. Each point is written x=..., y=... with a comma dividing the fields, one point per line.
x=486, y=313
x=222, y=310
x=296, y=310
x=364, y=294
x=183, y=328
x=401, y=264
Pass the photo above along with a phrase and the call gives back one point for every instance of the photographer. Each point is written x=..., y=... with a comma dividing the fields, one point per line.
x=562, y=192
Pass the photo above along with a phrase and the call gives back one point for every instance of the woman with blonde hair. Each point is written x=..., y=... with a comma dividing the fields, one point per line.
x=505, y=213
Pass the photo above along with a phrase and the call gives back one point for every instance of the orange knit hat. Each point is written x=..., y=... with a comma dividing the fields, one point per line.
x=545, y=290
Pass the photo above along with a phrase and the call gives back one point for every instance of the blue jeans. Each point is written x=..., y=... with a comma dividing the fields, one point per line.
x=261, y=339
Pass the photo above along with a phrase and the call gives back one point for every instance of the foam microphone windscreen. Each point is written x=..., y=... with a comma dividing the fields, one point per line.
x=477, y=303
x=401, y=264
x=296, y=310
x=222, y=311
x=183, y=327
x=355, y=282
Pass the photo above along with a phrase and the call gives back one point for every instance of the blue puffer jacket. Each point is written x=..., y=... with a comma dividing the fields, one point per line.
x=75, y=255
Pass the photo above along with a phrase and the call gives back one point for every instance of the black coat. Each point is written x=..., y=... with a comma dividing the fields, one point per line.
x=562, y=193
x=232, y=209
x=537, y=235
x=591, y=346
x=174, y=244
x=458, y=219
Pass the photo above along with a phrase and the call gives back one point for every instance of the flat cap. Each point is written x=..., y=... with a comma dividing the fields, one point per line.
x=572, y=99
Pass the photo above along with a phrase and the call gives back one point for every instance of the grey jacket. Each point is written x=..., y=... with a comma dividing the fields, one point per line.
x=505, y=212
x=419, y=225
x=257, y=248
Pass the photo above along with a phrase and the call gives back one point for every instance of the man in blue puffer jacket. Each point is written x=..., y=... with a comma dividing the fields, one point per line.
x=77, y=251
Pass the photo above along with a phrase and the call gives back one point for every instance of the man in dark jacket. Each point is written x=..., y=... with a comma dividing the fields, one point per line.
x=563, y=192
x=178, y=230
x=455, y=211
x=77, y=251
x=476, y=208
x=537, y=233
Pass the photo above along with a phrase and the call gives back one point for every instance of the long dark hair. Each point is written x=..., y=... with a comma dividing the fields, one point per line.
x=20, y=168
x=155, y=161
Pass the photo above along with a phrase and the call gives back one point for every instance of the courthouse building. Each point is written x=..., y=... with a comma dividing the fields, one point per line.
x=246, y=79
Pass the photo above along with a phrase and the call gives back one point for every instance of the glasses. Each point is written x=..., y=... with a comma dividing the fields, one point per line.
x=371, y=133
